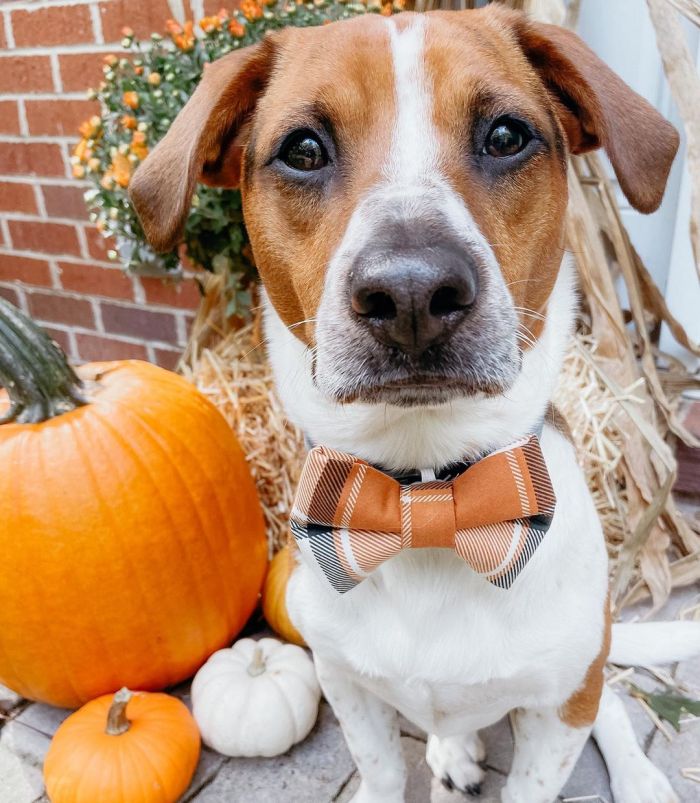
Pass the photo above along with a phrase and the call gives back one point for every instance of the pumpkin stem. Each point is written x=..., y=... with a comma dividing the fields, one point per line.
x=257, y=665
x=117, y=723
x=34, y=371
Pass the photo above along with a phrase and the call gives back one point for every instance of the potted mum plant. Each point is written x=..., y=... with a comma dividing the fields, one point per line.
x=140, y=96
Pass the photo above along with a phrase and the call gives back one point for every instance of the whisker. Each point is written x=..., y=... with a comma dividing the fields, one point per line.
x=529, y=312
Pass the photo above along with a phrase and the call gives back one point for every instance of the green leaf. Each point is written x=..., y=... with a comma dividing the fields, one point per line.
x=668, y=705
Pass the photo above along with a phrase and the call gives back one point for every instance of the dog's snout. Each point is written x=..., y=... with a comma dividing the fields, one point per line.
x=413, y=298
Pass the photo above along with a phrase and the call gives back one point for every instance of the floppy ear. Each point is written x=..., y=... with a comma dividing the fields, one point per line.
x=597, y=109
x=200, y=144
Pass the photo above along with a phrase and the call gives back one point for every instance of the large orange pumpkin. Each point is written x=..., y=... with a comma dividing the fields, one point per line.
x=132, y=542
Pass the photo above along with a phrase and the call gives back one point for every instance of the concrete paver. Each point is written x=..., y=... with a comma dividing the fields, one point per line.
x=320, y=770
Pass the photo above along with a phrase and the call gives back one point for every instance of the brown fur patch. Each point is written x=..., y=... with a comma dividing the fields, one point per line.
x=553, y=417
x=295, y=230
x=581, y=708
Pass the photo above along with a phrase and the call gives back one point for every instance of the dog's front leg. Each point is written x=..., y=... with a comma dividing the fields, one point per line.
x=371, y=731
x=546, y=750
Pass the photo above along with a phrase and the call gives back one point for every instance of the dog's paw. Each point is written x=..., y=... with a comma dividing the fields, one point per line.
x=456, y=761
x=642, y=783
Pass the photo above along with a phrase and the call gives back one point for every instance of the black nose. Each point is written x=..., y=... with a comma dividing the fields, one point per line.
x=413, y=298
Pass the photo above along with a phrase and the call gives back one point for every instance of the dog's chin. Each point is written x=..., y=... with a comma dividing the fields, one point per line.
x=420, y=391
x=355, y=370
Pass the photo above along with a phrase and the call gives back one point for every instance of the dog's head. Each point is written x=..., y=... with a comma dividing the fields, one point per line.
x=404, y=186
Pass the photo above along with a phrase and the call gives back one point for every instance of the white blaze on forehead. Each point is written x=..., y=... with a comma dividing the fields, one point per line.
x=413, y=151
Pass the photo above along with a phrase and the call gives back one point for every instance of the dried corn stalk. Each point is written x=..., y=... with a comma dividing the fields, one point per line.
x=684, y=81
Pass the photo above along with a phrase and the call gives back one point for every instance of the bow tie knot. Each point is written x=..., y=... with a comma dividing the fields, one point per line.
x=349, y=517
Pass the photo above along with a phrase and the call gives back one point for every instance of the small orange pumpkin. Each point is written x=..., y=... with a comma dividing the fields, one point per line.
x=274, y=597
x=126, y=747
x=132, y=539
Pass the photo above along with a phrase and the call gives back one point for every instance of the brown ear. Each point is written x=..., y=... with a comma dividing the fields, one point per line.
x=597, y=109
x=200, y=144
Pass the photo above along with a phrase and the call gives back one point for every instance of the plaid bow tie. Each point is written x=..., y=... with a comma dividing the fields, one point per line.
x=349, y=517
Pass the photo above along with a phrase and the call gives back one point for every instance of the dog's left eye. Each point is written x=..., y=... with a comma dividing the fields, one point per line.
x=506, y=138
x=304, y=152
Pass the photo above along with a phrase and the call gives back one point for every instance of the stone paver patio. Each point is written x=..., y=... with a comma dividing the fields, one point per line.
x=320, y=769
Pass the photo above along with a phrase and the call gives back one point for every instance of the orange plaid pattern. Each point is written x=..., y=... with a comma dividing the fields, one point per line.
x=349, y=517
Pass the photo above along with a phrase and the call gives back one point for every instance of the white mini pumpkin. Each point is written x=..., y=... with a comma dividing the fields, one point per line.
x=257, y=698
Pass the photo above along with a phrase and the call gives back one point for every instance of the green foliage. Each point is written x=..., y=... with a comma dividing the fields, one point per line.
x=668, y=705
x=140, y=96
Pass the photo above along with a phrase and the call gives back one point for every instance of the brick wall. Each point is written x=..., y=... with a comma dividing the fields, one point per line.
x=53, y=262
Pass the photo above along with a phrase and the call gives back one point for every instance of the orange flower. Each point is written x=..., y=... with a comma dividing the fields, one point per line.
x=209, y=24
x=138, y=145
x=173, y=28
x=78, y=171
x=185, y=40
x=82, y=151
x=131, y=99
x=251, y=10
x=386, y=10
x=89, y=129
x=128, y=121
x=236, y=28
x=138, y=70
x=128, y=32
x=119, y=171
x=154, y=79
x=110, y=60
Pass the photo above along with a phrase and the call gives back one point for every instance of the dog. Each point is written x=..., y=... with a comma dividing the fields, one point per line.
x=404, y=185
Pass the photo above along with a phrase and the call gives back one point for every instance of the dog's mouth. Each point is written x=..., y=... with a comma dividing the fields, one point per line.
x=420, y=390
x=479, y=358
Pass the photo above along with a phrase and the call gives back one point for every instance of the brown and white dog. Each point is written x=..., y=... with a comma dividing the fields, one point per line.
x=404, y=185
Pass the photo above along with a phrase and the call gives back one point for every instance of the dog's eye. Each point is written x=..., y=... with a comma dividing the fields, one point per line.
x=304, y=152
x=506, y=138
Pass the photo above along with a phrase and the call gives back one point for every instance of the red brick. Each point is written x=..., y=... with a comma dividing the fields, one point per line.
x=56, y=25
x=9, y=294
x=60, y=336
x=94, y=281
x=35, y=158
x=9, y=117
x=94, y=348
x=212, y=7
x=139, y=322
x=167, y=358
x=97, y=244
x=63, y=201
x=25, y=74
x=49, y=238
x=143, y=18
x=59, y=118
x=61, y=309
x=81, y=71
x=184, y=294
x=25, y=269
x=17, y=197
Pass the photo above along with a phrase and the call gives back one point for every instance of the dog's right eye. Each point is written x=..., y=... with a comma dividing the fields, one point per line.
x=304, y=152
